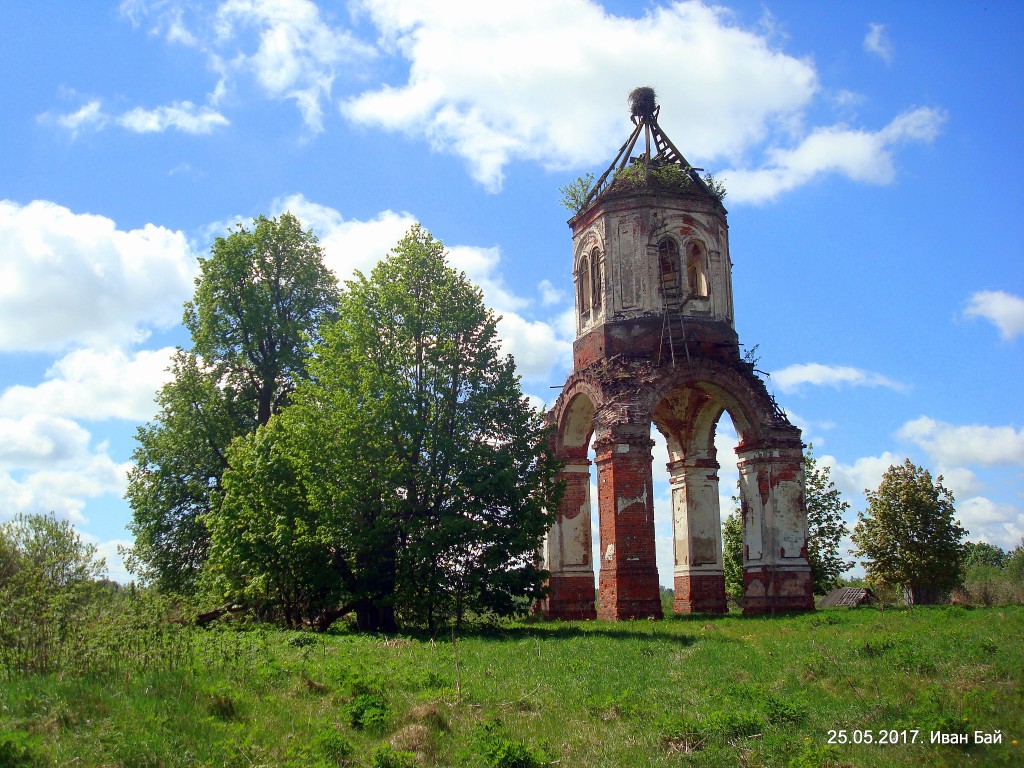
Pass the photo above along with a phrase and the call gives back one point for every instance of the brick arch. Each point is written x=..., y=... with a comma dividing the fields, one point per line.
x=614, y=406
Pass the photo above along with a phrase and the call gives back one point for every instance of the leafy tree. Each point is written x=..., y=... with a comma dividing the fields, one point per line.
x=981, y=553
x=47, y=553
x=46, y=571
x=908, y=534
x=270, y=546
x=732, y=552
x=178, y=463
x=259, y=300
x=1014, y=565
x=419, y=469
x=825, y=526
x=575, y=194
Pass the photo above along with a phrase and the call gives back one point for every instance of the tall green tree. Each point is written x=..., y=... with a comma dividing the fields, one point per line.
x=425, y=472
x=732, y=552
x=825, y=525
x=909, y=537
x=260, y=298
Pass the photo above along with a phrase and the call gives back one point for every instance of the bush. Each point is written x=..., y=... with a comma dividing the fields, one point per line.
x=48, y=578
x=385, y=756
x=368, y=710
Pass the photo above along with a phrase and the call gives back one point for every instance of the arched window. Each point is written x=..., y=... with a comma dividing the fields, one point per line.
x=596, y=283
x=696, y=270
x=583, y=286
x=668, y=269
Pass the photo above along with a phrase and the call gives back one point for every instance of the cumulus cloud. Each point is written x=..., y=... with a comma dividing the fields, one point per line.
x=94, y=384
x=349, y=244
x=534, y=344
x=793, y=377
x=549, y=294
x=48, y=465
x=72, y=278
x=877, y=42
x=865, y=473
x=89, y=115
x=181, y=116
x=859, y=155
x=996, y=523
x=954, y=445
x=537, y=345
x=63, y=492
x=1004, y=310
x=37, y=440
x=473, y=90
x=289, y=48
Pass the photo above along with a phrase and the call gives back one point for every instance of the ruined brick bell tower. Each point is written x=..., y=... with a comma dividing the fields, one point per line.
x=656, y=344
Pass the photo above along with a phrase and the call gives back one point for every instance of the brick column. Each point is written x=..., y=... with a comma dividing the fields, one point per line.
x=699, y=579
x=776, y=574
x=629, y=571
x=567, y=550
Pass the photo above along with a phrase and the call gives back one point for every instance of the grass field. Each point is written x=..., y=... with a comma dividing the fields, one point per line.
x=696, y=691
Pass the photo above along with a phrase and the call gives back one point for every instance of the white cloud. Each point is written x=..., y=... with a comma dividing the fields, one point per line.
x=36, y=440
x=475, y=91
x=72, y=278
x=290, y=48
x=63, y=492
x=48, y=465
x=986, y=520
x=537, y=345
x=864, y=473
x=182, y=115
x=89, y=115
x=857, y=154
x=110, y=552
x=534, y=344
x=349, y=244
x=549, y=294
x=94, y=384
x=791, y=378
x=878, y=43
x=1003, y=309
x=481, y=266
x=953, y=445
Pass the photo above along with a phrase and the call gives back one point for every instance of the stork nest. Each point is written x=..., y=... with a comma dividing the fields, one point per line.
x=642, y=102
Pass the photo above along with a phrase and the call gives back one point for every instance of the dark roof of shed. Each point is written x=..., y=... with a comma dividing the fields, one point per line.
x=847, y=597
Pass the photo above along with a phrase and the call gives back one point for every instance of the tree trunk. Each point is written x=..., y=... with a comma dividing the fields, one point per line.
x=373, y=617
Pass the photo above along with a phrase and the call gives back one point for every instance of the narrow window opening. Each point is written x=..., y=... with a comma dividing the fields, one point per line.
x=584, y=288
x=696, y=270
x=668, y=269
x=597, y=284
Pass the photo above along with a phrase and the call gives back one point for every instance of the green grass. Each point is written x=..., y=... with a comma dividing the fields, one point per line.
x=697, y=691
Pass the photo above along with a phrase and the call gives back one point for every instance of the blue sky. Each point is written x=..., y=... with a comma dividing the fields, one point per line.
x=872, y=152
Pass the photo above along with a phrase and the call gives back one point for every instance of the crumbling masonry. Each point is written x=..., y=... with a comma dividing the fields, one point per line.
x=655, y=343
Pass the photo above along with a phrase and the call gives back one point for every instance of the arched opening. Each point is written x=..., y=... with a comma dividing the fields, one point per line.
x=584, y=286
x=596, y=282
x=701, y=474
x=669, y=272
x=696, y=269
x=675, y=515
x=568, y=548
